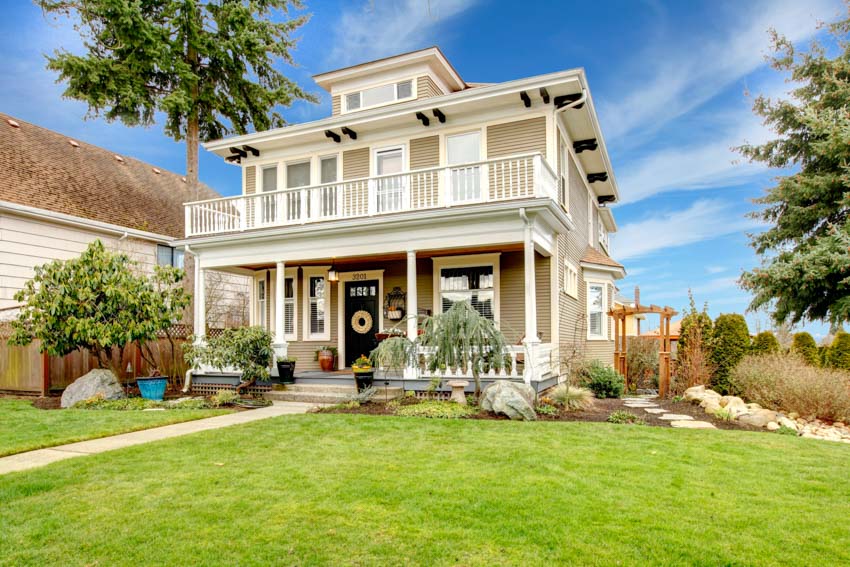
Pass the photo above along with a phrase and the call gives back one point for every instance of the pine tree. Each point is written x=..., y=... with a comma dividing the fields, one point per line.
x=838, y=355
x=765, y=343
x=731, y=342
x=804, y=346
x=806, y=251
x=207, y=66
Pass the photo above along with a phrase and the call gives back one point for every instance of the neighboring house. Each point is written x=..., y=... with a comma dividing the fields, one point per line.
x=419, y=191
x=58, y=194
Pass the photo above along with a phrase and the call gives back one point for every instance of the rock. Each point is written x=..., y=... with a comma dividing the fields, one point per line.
x=793, y=415
x=676, y=417
x=98, y=382
x=758, y=418
x=838, y=424
x=692, y=424
x=789, y=423
x=772, y=426
x=513, y=399
x=753, y=406
x=640, y=405
x=655, y=410
x=710, y=405
x=726, y=400
x=694, y=394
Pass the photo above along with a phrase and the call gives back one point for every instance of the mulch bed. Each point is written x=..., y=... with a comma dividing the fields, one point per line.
x=598, y=413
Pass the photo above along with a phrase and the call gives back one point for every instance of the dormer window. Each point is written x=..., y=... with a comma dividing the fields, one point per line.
x=379, y=96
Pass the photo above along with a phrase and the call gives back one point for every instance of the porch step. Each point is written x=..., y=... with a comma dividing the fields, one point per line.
x=327, y=393
x=324, y=388
x=307, y=397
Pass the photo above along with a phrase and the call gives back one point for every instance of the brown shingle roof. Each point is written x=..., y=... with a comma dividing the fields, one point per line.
x=594, y=256
x=45, y=169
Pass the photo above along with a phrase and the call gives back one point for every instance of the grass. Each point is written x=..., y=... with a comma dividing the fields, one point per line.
x=25, y=428
x=322, y=489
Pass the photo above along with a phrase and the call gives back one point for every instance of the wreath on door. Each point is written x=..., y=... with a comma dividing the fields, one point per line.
x=361, y=322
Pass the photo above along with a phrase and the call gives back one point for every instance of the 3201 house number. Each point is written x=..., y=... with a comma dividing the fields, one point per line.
x=358, y=276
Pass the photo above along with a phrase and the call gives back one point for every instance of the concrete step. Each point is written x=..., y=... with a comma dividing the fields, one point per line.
x=327, y=394
x=323, y=388
x=307, y=397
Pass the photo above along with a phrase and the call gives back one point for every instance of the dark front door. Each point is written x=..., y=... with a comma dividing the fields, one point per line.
x=361, y=318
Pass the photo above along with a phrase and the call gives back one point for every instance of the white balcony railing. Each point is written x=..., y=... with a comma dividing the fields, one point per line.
x=513, y=177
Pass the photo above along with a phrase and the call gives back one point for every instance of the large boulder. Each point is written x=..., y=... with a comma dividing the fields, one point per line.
x=97, y=382
x=734, y=405
x=694, y=394
x=758, y=418
x=513, y=399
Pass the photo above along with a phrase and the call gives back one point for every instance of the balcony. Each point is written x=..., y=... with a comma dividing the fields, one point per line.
x=502, y=179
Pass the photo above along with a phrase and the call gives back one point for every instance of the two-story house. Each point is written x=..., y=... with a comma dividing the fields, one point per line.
x=421, y=190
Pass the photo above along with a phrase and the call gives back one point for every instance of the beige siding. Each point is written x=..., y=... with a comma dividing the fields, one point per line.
x=355, y=165
x=250, y=180
x=336, y=105
x=425, y=153
x=426, y=87
x=518, y=137
x=512, y=296
x=543, y=287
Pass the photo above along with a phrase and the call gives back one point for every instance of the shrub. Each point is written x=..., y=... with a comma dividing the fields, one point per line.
x=546, y=409
x=787, y=383
x=693, y=352
x=730, y=344
x=364, y=395
x=625, y=417
x=603, y=381
x=804, y=346
x=247, y=348
x=724, y=414
x=572, y=398
x=436, y=409
x=642, y=361
x=764, y=343
x=838, y=355
x=224, y=398
x=693, y=318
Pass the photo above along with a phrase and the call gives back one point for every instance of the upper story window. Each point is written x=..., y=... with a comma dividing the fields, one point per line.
x=570, y=279
x=380, y=95
x=603, y=236
x=169, y=256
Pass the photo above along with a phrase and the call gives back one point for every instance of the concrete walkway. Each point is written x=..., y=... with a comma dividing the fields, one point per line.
x=41, y=457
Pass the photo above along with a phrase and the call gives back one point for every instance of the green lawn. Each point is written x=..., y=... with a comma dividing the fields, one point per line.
x=359, y=490
x=24, y=428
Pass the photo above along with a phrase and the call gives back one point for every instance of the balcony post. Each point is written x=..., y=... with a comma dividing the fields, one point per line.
x=531, y=340
x=412, y=309
x=280, y=346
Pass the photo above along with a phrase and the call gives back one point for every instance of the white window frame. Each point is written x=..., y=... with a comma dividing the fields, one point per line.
x=322, y=158
x=359, y=92
x=263, y=168
x=293, y=274
x=309, y=272
x=570, y=279
x=309, y=162
x=262, y=311
x=603, y=336
x=469, y=261
x=603, y=235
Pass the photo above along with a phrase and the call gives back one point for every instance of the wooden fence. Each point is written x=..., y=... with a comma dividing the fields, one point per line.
x=24, y=370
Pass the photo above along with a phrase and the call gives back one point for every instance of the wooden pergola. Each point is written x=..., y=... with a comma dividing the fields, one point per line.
x=666, y=314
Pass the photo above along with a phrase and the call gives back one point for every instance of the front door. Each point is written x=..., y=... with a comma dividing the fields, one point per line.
x=361, y=318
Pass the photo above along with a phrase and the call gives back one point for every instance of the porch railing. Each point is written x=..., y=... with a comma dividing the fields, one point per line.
x=500, y=179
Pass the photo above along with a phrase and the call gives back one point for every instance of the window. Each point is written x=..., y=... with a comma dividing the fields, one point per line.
x=270, y=178
x=465, y=181
x=317, y=305
x=597, y=301
x=262, y=301
x=379, y=95
x=473, y=284
x=328, y=169
x=570, y=279
x=297, y=174
x=603, y=235
x=169, y=256
x=390, y=190
x=289, y=307
x=268, y=204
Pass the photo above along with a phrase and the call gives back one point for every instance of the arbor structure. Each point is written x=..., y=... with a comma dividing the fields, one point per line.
x=207, y=66
x=806, y=251
x=665, y=314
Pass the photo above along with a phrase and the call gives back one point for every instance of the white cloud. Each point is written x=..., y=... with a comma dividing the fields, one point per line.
x=715, y=269
x=704, y=220
x=373, y=30
x=672, y=80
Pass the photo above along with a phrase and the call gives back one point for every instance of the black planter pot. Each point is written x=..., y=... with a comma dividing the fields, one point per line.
x=286, y=371
x=363, y=380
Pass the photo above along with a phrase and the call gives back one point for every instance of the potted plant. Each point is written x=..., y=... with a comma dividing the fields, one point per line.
x=326, y=356
x=286, y=369
x=152, y=387
x=363, y=373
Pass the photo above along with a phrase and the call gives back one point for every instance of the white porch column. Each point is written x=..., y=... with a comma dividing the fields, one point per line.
x=531, y=339
x=279, y=300
x=412, y=309
x=200, y=300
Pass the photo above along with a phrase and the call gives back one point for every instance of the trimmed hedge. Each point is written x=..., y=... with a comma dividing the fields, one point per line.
x=765, y=342
x=805, y=347
x=730, y=344
x=838, y=354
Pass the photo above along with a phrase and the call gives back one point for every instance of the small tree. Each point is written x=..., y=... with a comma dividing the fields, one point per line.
x=838, y=355
x=642, y=361
x=731, y=342
x=693, y=316
x=804, y=346
x=98, y=302
x=693, y=360
x=765, y=343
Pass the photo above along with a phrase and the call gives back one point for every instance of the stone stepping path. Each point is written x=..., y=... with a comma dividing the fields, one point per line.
x=692, y=424
x=676, y=417
x=655, y=410
x=640, y=405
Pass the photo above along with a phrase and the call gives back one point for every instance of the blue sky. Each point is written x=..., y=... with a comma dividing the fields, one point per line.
x=669, y=79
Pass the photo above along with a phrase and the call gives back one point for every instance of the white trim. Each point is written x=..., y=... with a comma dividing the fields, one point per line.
x=571, y=274
x=345, y=277
x=291, y=273
x=468, y=261
x=604, y=284
x=260, y=314
x=307, y=273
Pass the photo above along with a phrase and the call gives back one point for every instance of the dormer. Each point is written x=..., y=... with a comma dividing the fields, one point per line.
x=401, y=78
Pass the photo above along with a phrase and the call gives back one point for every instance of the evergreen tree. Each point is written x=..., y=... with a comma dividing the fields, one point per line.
x=806, y=251
x=208, y=66
x=765, y=343
x=731, y=342
x=692, y=316
x=838, y=355
x=804, y=346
